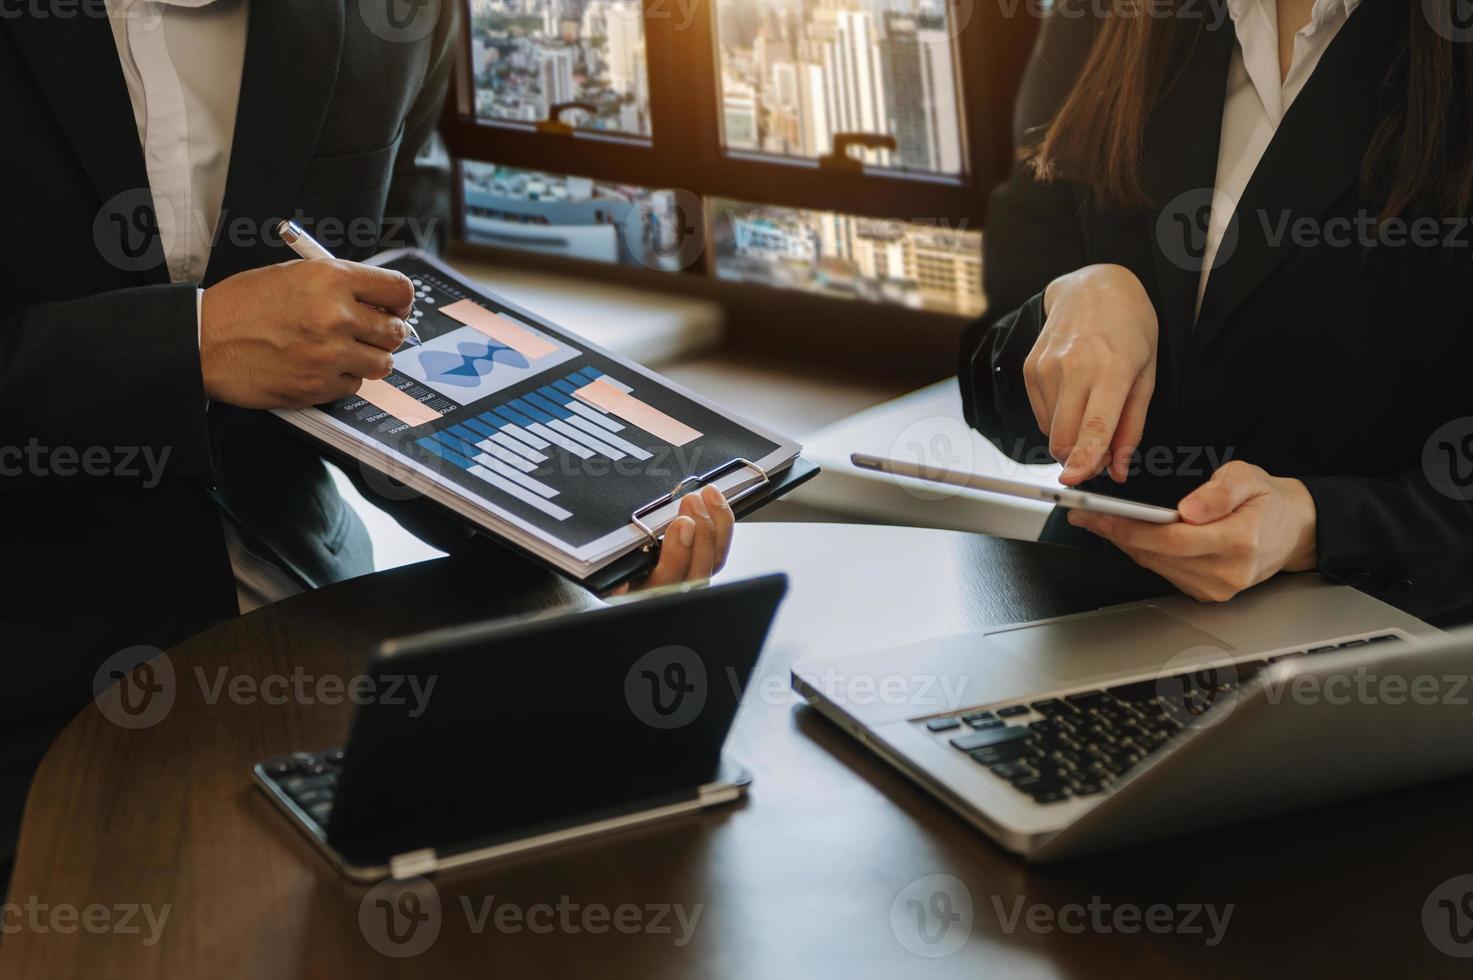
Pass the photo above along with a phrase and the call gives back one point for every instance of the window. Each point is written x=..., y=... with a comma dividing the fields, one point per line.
x=527, y=57
x=569, y=216
x=848, y=256
x=839, y=147
x=793, y=75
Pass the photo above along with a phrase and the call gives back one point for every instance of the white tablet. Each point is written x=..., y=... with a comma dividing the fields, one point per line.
x=1063, y=496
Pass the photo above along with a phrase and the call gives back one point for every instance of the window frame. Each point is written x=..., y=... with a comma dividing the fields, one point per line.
x=684, y=150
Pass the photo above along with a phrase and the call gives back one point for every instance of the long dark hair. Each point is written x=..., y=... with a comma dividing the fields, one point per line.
x=1420, y=161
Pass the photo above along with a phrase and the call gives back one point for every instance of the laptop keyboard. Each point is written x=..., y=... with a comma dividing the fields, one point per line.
x=1078, y=744
x=309, y=779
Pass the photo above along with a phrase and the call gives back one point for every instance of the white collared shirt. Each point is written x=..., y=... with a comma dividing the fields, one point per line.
x=1257, y=99
x=182, y=61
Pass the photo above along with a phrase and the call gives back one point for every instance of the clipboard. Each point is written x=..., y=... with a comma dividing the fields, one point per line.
x=640, y=561
x=501, y=441
x=747, y=500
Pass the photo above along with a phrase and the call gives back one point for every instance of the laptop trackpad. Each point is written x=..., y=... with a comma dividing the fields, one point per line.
x=1109, y=643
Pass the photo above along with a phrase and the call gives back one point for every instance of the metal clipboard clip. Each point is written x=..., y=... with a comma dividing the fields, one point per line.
x=676, y=492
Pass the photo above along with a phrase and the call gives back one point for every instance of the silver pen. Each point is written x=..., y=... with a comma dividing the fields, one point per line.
x=308, y=247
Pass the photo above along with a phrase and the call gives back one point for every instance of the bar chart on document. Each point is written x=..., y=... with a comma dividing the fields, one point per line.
x=530, y=420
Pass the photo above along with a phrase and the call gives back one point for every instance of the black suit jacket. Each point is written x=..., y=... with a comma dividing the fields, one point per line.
x=1314, y=358
x=99, y=351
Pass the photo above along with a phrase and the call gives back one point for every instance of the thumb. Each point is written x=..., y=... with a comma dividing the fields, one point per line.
x=1230, y=487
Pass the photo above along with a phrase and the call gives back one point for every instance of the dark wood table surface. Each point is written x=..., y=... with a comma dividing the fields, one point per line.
x=798, y=881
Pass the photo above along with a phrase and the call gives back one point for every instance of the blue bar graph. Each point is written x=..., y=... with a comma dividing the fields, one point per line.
x=500, y=416
x=466, y=449
x=445, y=452
x=481, y=428
x=535, y=413
x=497, y=474
x=547, y=405
x=503, y=444
x=461, y=432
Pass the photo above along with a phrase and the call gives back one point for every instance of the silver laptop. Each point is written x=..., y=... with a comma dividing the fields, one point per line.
x=1088, y=732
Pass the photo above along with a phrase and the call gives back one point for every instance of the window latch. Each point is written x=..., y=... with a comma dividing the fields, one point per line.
x=840, y=158
x=553, y=125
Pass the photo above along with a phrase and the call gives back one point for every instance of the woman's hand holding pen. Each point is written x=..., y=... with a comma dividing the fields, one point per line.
x=301, y=333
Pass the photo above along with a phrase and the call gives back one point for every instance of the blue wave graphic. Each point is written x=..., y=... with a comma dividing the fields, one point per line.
x=466, y=368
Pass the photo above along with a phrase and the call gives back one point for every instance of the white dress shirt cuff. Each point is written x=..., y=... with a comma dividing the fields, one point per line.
x=199, y=327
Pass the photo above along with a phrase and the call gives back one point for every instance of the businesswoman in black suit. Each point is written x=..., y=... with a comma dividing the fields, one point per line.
x=1321, y=339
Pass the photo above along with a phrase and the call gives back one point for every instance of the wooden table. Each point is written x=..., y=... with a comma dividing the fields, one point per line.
x=797, y=882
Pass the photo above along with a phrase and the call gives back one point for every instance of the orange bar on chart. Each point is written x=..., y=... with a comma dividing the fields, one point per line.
x=635, y=412
x=503, y=330
x=384, y=396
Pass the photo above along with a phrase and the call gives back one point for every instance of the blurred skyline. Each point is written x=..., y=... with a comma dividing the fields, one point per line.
x=793, y=73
